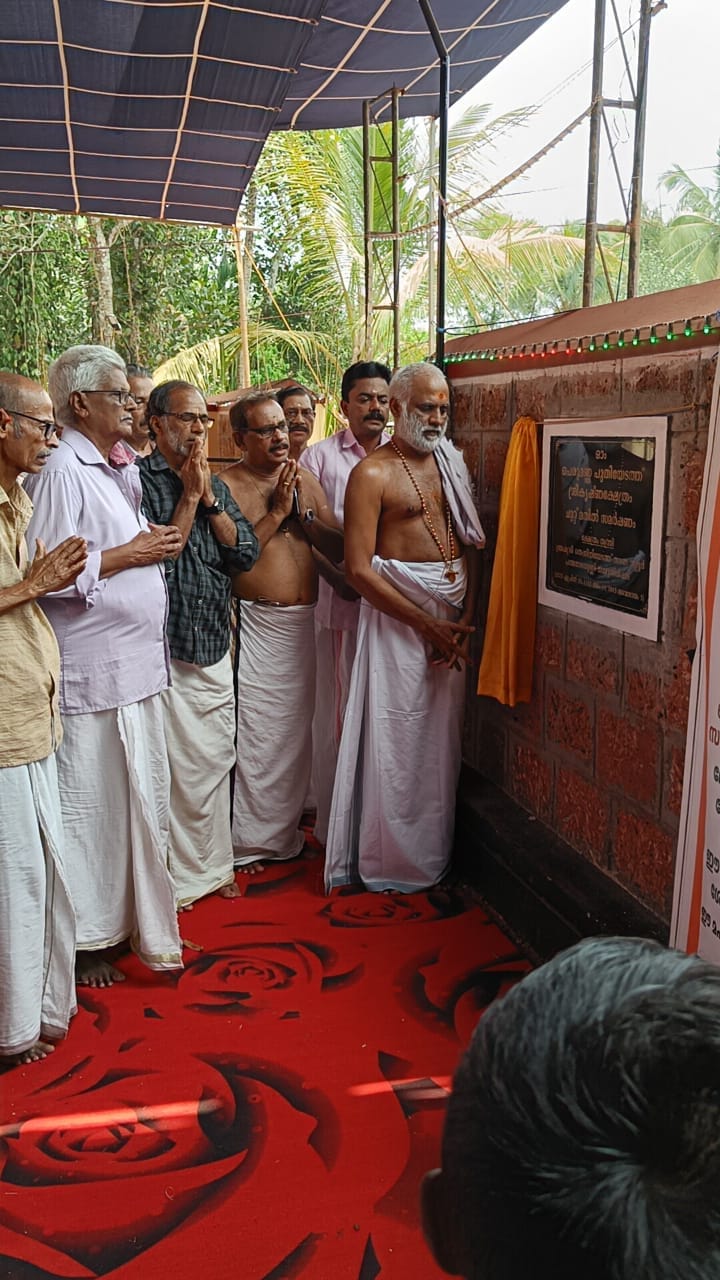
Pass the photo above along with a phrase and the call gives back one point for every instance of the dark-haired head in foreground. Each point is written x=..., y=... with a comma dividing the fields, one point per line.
x=582, y=1140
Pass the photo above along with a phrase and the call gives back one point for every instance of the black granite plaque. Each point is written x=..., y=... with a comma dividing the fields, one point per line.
x=600, y=519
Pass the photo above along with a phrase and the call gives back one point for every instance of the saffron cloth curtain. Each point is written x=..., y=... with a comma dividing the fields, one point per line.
x=506, y=669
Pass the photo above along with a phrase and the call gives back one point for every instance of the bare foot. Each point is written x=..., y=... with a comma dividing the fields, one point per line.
x=230, y=891
x=93, y=970
x=35, y=1053
x=251, y=868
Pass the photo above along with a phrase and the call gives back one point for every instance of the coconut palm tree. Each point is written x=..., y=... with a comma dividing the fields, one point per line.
x=308, y=248
x=695, y=231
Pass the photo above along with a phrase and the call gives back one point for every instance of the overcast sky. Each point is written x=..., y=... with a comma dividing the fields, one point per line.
x=553, y=71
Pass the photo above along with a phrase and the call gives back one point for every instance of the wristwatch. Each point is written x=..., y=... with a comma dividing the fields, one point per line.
x=214, y=510
x=309, y=516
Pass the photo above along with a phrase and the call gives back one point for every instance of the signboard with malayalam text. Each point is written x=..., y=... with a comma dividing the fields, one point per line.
x=603, y=491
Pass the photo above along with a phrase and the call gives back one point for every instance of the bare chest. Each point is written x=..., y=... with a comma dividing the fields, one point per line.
x=253, y=499
x=416, y=523
x=413, y=498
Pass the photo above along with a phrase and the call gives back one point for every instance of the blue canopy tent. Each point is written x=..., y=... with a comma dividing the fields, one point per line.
x=160, y=108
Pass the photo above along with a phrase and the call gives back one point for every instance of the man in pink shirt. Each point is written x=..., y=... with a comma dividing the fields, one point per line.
x=110, y=626
x=366, y=405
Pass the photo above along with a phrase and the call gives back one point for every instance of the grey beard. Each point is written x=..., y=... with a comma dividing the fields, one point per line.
x=411, y=428
x=182, y=449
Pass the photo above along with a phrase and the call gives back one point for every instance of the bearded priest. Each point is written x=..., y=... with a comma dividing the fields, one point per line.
x=411, y=539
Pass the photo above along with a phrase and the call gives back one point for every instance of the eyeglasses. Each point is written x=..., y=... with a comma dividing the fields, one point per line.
x=48, y=428
x=122, y=397
x=266, y=432
x=299, y=413
x=189, y=418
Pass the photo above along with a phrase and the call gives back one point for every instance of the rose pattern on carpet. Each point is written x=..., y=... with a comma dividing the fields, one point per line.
x=267, y=1113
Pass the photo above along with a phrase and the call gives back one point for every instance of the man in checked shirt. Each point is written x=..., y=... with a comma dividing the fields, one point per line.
x=199, y=708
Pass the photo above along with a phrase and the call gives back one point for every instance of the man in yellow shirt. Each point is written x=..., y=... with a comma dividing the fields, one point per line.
x=37, y=924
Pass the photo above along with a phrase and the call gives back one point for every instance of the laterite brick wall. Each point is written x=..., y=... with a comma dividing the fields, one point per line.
x=597, y=755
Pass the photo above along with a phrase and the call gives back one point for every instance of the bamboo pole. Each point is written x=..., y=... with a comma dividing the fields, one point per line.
x=244, y=376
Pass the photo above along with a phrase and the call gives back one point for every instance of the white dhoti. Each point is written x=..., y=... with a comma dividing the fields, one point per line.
x=393, y=810
x=114, y=790
x=199, y=715
x=276, y=695
x=37, y=923
x=335, y=653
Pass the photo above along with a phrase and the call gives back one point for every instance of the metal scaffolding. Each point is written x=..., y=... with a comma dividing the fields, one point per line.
x=382, y=215
x=600, y=105
x=382, y=207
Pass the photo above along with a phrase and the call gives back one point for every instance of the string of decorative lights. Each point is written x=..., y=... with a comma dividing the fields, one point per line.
x=616, y=339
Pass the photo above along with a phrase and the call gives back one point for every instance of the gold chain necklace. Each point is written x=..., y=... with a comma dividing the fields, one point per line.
x=449, y=555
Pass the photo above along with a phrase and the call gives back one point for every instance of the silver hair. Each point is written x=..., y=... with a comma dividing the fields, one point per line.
x=401, y=382
x=79, y=369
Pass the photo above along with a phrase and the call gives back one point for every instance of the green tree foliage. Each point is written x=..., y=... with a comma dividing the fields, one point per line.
x=172, y=286
x=45, y=283
x=660, y=268
x=167, y=296
x=695, y=231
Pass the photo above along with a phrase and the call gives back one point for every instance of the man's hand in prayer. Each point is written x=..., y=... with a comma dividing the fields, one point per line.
x=195, y=473
x=282, y=498
x=163, y=542
x=53, y=570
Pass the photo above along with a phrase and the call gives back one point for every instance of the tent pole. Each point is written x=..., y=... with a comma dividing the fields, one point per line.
x=244, y=377
x=596, y=116
x=646, y=15
x=443, y=111
x=431, y=235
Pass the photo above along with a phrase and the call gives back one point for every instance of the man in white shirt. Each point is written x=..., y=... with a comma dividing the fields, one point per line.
x=113, y=770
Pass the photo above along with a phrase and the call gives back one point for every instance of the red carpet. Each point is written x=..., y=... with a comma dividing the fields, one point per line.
x=265, y=1115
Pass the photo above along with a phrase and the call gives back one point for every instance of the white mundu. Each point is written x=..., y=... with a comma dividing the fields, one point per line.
x=133, y=897
x=37, y=923
x=276, y=695
x=334, y=657
x=393, y=809
x=199, y=717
